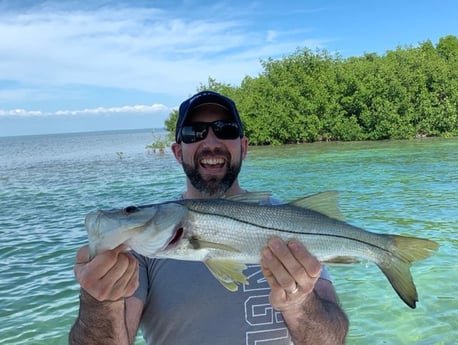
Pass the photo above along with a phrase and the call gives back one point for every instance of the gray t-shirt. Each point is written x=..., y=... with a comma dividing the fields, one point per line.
x=184, y=304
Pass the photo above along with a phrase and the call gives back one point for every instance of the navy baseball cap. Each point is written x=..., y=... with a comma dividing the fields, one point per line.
x=201, y=98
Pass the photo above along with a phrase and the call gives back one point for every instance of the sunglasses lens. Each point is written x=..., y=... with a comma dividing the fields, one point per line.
x=194, y=133
x=226, y=130
x=198, y=131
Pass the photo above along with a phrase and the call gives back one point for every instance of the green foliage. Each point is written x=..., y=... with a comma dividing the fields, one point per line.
x=159, y=144
x=170, y=122
x=312, y=96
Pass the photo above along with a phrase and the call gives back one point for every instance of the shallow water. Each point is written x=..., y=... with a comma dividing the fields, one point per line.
x=48, y=184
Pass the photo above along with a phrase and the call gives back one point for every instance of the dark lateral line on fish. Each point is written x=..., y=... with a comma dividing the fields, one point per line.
x=295, y=232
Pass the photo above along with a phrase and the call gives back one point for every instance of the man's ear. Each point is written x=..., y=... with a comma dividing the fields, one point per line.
x=177, y=152
x=244, y=147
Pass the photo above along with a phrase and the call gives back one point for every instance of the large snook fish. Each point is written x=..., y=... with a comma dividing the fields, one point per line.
x=228, y=233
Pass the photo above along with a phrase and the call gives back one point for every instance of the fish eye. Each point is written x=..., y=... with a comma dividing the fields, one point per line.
x=131, y=209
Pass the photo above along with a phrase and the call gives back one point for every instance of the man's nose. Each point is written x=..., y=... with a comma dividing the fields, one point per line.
x=211, y=139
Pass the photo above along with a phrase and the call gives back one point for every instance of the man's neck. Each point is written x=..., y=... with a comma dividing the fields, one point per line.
x=193, y=193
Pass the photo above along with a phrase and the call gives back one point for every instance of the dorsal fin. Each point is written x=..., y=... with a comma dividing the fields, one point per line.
x=325, y=203
x=251, y=197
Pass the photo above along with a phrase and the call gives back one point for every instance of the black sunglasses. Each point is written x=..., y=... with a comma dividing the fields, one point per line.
x=198, y=131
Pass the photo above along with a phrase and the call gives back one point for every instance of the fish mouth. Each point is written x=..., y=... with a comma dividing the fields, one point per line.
x=175, y=238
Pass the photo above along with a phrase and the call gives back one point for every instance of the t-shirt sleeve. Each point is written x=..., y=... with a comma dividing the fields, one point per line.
x=325, y=274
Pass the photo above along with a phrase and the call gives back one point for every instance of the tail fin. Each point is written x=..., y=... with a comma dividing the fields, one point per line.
x=396, y=267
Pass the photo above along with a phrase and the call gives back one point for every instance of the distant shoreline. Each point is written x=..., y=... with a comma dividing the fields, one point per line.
x=108, y=131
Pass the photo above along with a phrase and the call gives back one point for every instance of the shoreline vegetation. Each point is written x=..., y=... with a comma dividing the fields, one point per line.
x=159, y=143
x=410, y=92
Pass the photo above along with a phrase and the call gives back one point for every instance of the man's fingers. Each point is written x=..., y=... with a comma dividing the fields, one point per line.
x=291, y=271
x=82, y=256
x=128, y=282
x=287, y=269
x=110, y=275
x=305, y=258
x=275, y=266
x=102, y=263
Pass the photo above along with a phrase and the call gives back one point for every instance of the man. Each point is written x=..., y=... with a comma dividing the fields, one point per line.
x=289, y=299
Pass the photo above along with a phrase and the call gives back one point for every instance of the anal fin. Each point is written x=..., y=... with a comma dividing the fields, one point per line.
x=229, y=273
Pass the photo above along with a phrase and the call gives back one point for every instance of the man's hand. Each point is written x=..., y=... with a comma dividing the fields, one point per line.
x=109, y=276
x=291, y=271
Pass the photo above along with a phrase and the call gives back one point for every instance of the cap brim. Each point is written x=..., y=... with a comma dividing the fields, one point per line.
x=207, y=104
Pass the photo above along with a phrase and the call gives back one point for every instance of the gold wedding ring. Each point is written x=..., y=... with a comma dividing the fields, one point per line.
x=292, y=291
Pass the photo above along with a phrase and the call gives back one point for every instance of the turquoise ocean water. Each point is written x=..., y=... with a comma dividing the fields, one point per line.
x=48, y=183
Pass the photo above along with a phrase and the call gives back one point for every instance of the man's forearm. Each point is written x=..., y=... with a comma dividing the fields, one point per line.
x=318, y=321
x=99, y=323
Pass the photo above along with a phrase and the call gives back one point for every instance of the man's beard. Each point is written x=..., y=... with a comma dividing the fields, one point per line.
x=213, y=186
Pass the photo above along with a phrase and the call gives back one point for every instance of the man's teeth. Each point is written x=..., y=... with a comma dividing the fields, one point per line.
x=212, y=161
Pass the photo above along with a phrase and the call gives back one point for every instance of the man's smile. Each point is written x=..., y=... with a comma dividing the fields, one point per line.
x=212, y=163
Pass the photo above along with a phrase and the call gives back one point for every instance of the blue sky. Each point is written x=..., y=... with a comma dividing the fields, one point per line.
x=71, y=66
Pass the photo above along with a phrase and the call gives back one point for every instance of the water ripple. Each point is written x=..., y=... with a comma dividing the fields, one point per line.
x=49, y=183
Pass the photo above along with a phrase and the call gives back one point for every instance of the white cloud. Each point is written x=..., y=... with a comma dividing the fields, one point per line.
x=21, y=113
x=271, y=35
x=117, y=110
x=124, y=48
x=128, y=109
x=51, y=47
x=146, y=49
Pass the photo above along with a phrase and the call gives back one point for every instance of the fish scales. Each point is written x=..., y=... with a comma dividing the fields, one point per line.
x=257, y=223
x=226, y=234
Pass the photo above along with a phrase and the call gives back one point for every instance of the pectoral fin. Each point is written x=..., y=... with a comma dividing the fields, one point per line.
x=229, y=273
x=201, y=244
